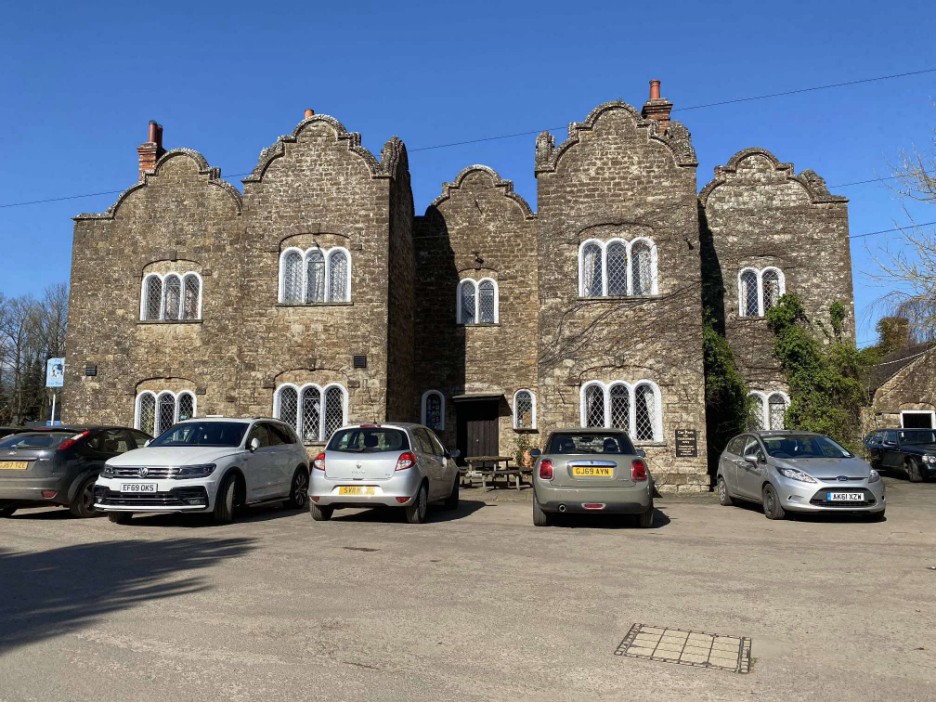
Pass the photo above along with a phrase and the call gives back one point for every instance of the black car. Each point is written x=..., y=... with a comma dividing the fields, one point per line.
x=910, y=450
x=58, y=465
x=6, y=431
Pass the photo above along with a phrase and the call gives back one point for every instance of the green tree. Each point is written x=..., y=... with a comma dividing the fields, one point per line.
x=726, y=395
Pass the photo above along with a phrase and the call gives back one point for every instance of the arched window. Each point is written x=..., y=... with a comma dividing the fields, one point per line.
x=315, y=276
x=772, y=288
x=151, y=307
x=637, y=410
x=757, y=418
x=617, y=268
x=759, y=290
x=524, y=410
x=749, y=294
x=642, y=271
x=172, y=290
x=477, y=302
x=171, y=298
x=313, y=412
x=591, y=276
x=433, y=410
x=191, y=302
x=156, y=413
x=777, y=406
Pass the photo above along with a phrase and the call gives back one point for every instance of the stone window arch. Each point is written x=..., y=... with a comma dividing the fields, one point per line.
x=636, y=408
x=432, y=410
x=524, y=415
x=171, y=297
x=156, y=412
x=313, y=411
x=314, y=276
x=477, y=302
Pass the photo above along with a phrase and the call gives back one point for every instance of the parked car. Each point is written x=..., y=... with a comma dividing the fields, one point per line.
x=910, y=450
x=214, y=465
x=6, y=431
x=791, y=471
x=397, y=464
x=59, y=465
x=591, y=471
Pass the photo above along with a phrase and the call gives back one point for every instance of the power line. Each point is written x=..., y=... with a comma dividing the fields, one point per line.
x=529, y=133
x=895, y=229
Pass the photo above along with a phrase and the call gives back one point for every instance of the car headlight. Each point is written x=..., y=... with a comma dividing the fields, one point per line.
x=929, y=459
x=794, y=474
x=874, y=476
x=108, y=471
x=202, y=470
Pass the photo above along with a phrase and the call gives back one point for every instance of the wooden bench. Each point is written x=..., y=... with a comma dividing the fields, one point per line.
x=487, y=469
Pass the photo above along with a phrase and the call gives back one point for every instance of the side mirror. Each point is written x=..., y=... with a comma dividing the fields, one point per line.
x=535, y=453
x=254, y=444
x=641, y=453
x=454, y=453
x=751, y=459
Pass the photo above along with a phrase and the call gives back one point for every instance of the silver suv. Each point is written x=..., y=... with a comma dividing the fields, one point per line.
x=383, y=465
x=211, y=465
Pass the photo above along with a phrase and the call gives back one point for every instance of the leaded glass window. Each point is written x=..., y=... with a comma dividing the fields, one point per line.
x=192, y=288
x=644, y=413
x=523, y=410
x=594, y=406
x=146, y=414
x=642, y=273
x=433, y=411
x=771, y=283
x=467, y=297
x=620, y=406
x=777, y=407
x=152, y=298
x=172, y=289
x=165, y=412
x=749, y=294
x=311, y=414
x=288, y=406
x=617, y=268
x=292, y=277
x=756, y=417
x=334, y=410
x=315, y=276
x=487, y=302
x=186, y=405
x=591, y=270
x=338, y=276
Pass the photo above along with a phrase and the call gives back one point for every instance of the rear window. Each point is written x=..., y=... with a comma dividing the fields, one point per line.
x=591, y=442
x=368, y=440
x=35, y=440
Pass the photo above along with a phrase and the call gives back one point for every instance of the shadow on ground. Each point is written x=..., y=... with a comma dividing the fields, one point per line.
x=607, y=521
x=436, y=514
x=56, y=592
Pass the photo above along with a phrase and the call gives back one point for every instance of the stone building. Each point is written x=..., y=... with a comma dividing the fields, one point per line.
x=318, y=296
x=902, y=390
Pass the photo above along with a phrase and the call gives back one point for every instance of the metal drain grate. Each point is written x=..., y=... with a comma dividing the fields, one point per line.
x=687, y=648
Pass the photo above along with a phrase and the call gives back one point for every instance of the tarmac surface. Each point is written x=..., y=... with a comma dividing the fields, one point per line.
x=474, y=605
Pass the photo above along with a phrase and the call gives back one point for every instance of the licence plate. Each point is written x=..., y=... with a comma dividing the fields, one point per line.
x=356, y=490
x=592, y=472
x=14, y=465
x=845, y=497
x=138, y=487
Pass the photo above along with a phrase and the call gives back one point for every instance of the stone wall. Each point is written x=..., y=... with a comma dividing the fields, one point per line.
x=912, y=388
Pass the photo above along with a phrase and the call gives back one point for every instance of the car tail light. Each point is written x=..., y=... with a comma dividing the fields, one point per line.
x=405, y=461
x=319, y=462
x=49, y=494
x=638, y=470
x=401, y=500
x=546, y=469
x=71, y=441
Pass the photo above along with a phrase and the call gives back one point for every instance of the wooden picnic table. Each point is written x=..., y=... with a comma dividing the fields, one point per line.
x=490, y=468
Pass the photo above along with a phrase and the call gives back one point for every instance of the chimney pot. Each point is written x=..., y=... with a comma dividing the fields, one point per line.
x=654, y=90
x=309, y=112
x=151, y=134
x=152, y=149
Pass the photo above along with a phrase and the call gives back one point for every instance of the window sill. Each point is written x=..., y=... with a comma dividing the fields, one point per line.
x=650, y=444
x=746, y=318
x=314, y=304
x=528, y=430
x=170, y=321
x=479, y=324
x=618, y=298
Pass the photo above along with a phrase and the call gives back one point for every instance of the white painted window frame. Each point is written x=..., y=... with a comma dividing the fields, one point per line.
x=162, y=296
x=532, y=412
x=476, y=285
x=156, y=395
x=631, y=407
x=931, y=413
x=327, y=255
x=423, y=406
x=629, y=245
x=765, y=396
x=322, y=390
x=759, y=274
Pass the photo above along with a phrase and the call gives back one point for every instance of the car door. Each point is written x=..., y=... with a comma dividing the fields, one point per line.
x=449, y=469
x=729, y=463
x=283, y=460
x=752, y=472
x=260, y=465
x=432, y=464
x=874, y=446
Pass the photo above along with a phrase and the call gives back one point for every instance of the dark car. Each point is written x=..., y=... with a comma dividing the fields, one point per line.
x=6, y=431
x=58, y=465
x=910, y=450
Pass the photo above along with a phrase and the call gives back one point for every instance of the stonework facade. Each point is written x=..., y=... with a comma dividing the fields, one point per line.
x=317, y=295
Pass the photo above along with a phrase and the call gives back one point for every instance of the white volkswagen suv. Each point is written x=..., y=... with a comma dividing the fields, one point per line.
x=214, y=464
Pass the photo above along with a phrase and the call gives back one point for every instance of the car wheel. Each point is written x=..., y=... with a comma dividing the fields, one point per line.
x=540, y=518
x=6, y=511
x=224, y=501
x=83, y=503
x=299, y=492
x=320, y=514
x=723, y=497
x=913, y=471
x=645, y=519
x=120, y=517
x=416, y=512
x=451, y=502
x=772, y=507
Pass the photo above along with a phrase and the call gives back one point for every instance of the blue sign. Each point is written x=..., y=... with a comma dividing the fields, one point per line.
x=55, y=373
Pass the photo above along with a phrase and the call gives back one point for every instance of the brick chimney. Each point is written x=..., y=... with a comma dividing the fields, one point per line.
x=656, y=107
x=151, y=149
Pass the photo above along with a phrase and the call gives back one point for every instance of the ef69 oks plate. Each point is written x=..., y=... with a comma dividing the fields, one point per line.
x=592, y=472
x=356, y=490
x=138, y=487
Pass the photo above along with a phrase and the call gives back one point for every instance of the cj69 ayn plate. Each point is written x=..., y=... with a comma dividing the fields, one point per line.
x=592, y=472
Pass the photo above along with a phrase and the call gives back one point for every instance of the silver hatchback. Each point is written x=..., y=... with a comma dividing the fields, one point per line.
x=792, y=471
x=397, y=464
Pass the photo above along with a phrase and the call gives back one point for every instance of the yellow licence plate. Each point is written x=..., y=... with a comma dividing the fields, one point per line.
x=592, y=472
x=14, y=465
x=356, y=490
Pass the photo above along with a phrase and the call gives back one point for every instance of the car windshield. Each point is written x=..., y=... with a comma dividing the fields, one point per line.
x=368, y=440
x=922, y=436
x=803, y=446
x=35, y=440
x=202, y=434
x=590, y=442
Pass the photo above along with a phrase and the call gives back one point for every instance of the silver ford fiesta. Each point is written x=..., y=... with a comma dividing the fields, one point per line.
x=791, y=471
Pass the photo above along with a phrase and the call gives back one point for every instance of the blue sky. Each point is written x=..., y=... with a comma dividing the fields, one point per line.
x=80, y=81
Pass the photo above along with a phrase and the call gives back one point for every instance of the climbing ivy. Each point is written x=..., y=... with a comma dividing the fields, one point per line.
x=727, y=404
x=823, y=371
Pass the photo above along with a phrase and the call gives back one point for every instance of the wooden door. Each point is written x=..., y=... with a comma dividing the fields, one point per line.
x=477, y=428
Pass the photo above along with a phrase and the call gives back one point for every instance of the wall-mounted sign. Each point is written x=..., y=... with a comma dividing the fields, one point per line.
x=687, y=443
x=55, y=372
